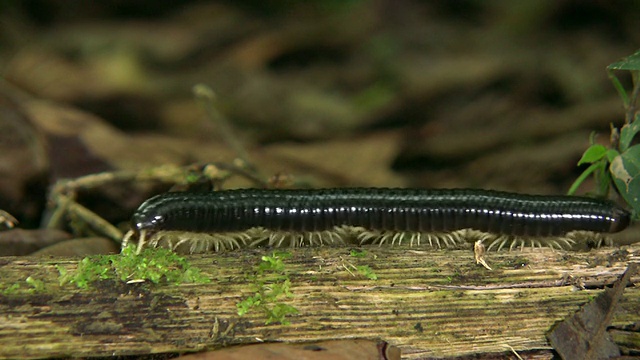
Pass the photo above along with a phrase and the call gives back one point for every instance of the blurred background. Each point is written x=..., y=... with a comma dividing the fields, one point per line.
x=486, y=94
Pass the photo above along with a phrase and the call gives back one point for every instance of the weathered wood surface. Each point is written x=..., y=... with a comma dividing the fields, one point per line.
x=429, y=303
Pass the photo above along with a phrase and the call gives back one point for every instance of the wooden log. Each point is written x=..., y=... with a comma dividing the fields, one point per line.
x=430, y=303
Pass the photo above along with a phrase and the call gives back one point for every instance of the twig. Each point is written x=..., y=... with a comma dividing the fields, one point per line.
x=206, y=96
x=68, y=207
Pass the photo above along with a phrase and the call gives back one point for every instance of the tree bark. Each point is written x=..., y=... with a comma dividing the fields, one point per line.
x=430, y=303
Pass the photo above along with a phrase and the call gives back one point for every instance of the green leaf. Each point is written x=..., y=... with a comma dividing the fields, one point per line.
x=595, y=166
x=628, y=132
x=619, y=88
x=625, y=170
x=592, y=154
x=612, y=154
x=631, y=62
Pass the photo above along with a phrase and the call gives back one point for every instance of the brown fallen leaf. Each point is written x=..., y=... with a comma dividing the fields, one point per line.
x=24, y=164
x=17, y=242
x=584, y=336
x=362, y=161
x=326, y=350
x=81, y=143
x=80, y=247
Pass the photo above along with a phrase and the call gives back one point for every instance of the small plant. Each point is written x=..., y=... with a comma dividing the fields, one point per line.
x=271, y=284
x=153, y=265
x=620, y=161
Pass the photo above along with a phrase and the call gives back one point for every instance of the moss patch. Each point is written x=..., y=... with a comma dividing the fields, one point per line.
x=271, y=284
x=154, y=265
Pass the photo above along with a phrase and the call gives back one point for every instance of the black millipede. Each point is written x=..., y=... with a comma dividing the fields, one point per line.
x=231, y=217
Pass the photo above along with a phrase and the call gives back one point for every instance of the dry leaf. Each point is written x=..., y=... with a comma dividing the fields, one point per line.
x=327, y=350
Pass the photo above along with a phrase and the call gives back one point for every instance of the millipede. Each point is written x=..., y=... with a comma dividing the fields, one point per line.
x=229, y=219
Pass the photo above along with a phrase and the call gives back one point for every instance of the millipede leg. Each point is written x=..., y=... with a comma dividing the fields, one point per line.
x=397, y=237
x=415, y=237
x=126, y=238
x=141, y=241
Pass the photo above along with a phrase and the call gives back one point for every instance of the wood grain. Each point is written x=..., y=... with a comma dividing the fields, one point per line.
x=429, y=303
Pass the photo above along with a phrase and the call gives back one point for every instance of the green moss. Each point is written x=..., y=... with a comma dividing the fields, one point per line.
x=11, y=289
x=367, y=272
x=35, y=284
x=358, y=254
x=29, y=285
x=155, y=265
x=271, y=284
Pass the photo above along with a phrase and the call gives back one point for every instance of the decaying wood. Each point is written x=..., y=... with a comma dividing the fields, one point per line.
x=429, y=303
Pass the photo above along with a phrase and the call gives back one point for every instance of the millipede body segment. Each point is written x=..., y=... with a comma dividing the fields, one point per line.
x=378, y=209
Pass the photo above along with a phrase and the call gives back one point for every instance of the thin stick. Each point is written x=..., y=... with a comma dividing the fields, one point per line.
x=206, y=96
